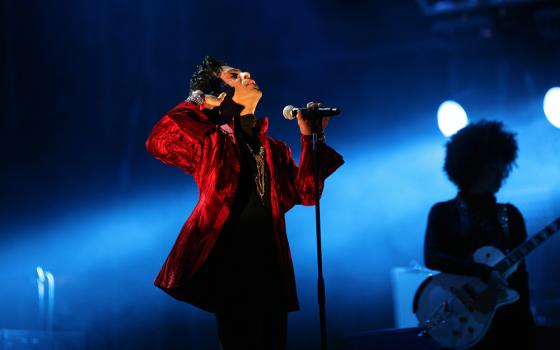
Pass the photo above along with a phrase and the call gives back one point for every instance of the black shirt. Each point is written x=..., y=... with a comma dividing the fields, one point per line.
x=243, y=264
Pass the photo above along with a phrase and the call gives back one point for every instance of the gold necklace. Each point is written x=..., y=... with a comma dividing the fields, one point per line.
x=260, y=177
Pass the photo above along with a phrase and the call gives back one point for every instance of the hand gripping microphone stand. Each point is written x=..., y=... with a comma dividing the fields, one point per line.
x=316, y=130
x=316, y=117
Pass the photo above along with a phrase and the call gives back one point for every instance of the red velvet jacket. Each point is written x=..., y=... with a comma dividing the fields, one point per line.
x=187, y=139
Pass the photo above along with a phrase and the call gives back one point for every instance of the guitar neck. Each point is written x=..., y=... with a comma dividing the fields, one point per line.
x=521, y=251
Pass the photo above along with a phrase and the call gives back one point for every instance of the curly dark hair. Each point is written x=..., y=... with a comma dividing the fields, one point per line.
x=207, y=76
x=470, y=150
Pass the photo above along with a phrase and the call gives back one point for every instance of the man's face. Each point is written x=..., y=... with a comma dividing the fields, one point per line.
x=491, y=177
x=246, y=89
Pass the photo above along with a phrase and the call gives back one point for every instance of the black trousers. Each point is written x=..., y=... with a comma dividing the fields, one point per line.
x=252, y=329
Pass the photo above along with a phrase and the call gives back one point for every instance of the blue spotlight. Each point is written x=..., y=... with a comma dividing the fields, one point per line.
x=451, y=118
x=551, y=106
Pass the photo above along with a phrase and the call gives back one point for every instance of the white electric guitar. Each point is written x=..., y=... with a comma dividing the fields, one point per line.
x=456, y=310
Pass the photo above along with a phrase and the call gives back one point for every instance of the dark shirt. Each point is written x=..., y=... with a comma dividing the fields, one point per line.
x=244, y=264
x=457, y=228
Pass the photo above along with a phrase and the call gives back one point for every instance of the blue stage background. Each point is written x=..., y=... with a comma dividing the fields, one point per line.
x=84, y=82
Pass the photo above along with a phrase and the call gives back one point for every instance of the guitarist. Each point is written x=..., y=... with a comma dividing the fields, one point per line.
x=478, y=160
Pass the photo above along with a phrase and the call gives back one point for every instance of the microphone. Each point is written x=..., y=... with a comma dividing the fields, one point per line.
x=290, y=112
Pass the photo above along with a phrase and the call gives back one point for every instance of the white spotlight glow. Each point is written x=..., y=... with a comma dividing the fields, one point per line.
x=451, y=118
x=551, y=106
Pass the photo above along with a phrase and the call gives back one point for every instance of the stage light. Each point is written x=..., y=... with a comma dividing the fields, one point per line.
x=551, y=106
x=451, y=118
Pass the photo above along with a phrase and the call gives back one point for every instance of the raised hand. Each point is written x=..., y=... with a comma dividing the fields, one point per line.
x=305, y=126
x=207, y=101
x=211, y=101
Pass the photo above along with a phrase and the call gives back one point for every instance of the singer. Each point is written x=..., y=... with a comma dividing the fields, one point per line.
x=232, y=257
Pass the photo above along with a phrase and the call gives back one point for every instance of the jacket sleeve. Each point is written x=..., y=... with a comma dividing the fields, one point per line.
x=438, y=239
x=176, y=139
x=302, y=176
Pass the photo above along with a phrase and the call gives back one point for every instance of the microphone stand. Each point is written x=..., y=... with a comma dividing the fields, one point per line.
x=316, y=131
